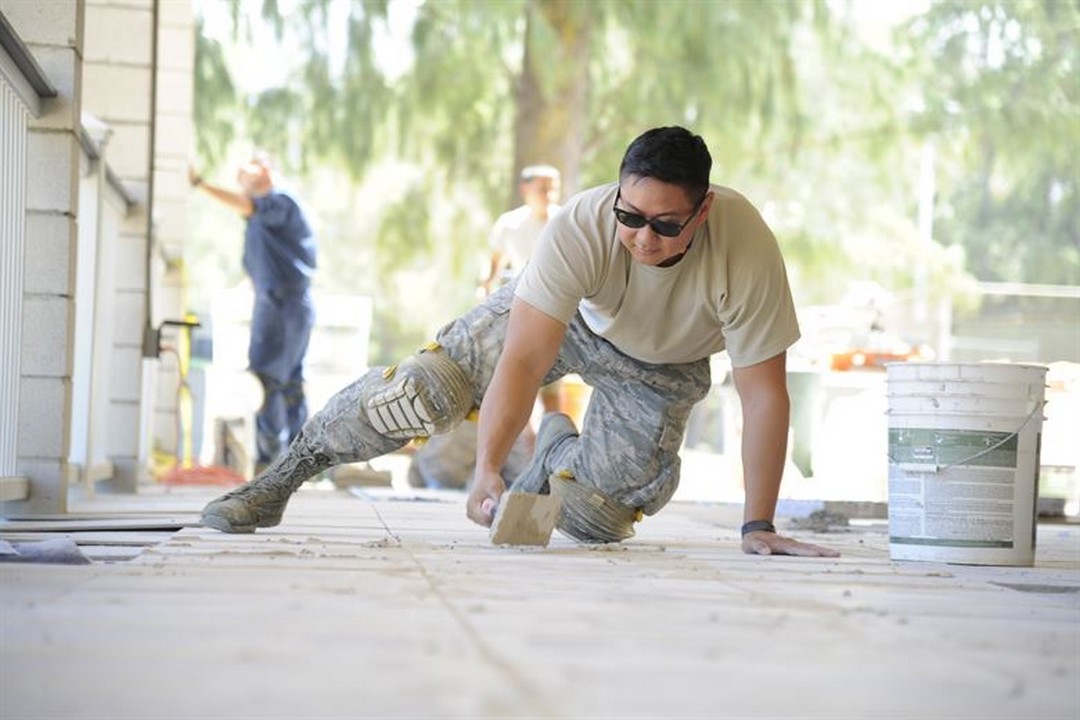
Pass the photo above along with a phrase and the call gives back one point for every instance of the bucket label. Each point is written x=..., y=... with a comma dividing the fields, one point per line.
x=952, y=488
x=952, y=447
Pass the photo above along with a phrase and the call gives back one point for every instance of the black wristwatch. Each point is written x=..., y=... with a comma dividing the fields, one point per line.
x=758, y=526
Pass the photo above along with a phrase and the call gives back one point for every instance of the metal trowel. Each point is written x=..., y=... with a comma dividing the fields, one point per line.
x=524, y=519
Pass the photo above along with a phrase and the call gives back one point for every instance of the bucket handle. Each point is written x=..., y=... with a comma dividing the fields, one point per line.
x=938, y=468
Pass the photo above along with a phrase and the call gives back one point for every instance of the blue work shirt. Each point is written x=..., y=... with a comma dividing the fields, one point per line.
x=279, y=246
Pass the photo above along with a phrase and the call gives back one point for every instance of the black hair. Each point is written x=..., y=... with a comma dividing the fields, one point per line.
x=670, y=154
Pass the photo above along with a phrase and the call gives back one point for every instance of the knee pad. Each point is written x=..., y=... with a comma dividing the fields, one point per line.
x=427, y=394
x=588, y=515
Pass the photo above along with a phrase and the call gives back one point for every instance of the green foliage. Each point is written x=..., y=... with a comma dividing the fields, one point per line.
x=1002, y=99
x=724, y=68
x=327, y=113
x=214, y=102
x=271, y=121
x=456, y=111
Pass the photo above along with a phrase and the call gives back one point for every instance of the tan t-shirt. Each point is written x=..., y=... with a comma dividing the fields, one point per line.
x=729, y=292
x=515, y=234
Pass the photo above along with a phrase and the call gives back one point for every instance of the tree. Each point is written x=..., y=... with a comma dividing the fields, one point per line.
x=565, y=81
x=214, y=101
x=1001, y=104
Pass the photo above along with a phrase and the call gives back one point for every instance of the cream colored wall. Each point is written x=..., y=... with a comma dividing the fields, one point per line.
x=53, y=33
x=148, y=151
x=100, y=56
x=117, y=84
x=172, y=151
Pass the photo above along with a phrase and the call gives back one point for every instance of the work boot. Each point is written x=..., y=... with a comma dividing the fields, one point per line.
x=555, y=427
x=261, y=502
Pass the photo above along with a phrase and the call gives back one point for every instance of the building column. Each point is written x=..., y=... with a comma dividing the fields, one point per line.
x=52, y=32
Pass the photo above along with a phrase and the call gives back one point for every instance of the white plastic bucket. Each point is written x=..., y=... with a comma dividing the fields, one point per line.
x=964, y=461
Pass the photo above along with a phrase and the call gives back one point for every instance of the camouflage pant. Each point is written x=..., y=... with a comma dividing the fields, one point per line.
x=632, y=431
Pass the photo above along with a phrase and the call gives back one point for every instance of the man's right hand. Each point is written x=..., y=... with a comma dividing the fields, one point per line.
x=487, y=488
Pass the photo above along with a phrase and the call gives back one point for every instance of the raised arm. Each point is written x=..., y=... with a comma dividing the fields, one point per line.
x=237, y=201
x=766, y=411
x=533, y=339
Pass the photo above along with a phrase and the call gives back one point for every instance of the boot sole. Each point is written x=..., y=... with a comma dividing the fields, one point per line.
x=222, y=524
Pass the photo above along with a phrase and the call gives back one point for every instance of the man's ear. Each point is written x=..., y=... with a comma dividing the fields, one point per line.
x=706, y=204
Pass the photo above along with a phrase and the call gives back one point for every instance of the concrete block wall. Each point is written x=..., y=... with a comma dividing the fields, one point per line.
x=52, y=31
x=173, y=136
x=117, y=89
x=146, y=101
x=101, y=204
x=100, y=54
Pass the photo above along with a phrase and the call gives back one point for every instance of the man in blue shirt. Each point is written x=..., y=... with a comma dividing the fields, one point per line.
x=279, y=257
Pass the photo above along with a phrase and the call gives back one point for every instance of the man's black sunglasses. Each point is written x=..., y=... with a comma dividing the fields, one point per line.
x=666, y=228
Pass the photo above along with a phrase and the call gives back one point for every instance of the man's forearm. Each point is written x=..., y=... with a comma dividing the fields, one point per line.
x=237, y=201
x=766, y=414
x=533, y=339
x=503, y=414
x=766, y=411
x=764, y=450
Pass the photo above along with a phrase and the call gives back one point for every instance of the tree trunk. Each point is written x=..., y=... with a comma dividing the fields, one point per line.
x=552, y=89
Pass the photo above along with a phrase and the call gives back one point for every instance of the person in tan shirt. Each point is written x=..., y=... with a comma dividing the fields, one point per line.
x=633, y=285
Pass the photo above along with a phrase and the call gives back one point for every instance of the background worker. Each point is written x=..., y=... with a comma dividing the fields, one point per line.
x=279, y=257
x=515, y=232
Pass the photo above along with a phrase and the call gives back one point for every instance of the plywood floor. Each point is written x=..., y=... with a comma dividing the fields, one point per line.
x=379, y=607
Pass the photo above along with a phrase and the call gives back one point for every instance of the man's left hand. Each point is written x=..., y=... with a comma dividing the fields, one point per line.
x=768, y=543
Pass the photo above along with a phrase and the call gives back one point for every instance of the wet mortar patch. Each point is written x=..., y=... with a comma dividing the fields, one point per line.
x=1039, y=588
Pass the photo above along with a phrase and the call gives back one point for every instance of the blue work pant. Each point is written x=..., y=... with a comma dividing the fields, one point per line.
x=281, y=324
